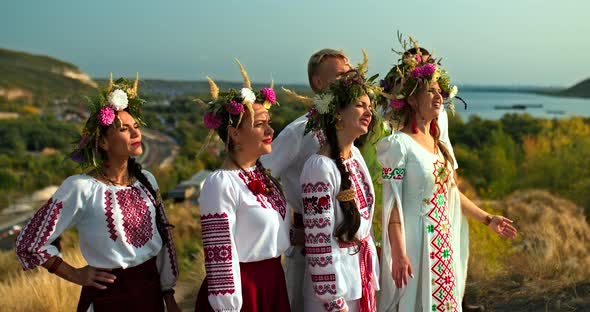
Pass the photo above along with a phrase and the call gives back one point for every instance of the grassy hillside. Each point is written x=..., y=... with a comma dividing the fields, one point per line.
x=581, y=89
x=38, y=79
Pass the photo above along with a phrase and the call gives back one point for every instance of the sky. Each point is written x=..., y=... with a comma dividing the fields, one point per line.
x=481, y=42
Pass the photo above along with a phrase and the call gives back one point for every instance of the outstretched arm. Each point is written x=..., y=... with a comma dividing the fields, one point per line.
x=499, y=224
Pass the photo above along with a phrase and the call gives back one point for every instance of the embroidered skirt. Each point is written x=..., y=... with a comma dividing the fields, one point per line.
x=135, y=289
x=263, y=288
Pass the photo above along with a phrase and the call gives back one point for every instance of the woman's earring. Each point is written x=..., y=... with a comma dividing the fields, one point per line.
x=339, y=126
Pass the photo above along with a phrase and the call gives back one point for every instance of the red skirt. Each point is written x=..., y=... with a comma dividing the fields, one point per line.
x=135, y=289
x=263, y=288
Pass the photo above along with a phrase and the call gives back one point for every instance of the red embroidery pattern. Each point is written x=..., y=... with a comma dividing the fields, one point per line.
x=323, y=278
x=275, y=200
x=320, y=238
x=322, y=289
x=108, y=204
x=170, y=246
x=336, y=305
x=317, y=187
x=317, y=222
x=36, y=234
x=137, y=218
x=218, y=253
x=364, y=197
x=317, y=205
x=441, y=256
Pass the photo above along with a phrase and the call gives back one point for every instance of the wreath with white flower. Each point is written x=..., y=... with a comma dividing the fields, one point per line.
x=119, y=95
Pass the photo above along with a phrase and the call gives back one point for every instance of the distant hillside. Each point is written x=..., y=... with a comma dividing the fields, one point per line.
x=581, y=89
x=174, y=88
x=37, y=78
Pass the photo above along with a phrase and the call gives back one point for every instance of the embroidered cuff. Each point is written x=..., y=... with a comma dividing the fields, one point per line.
x=336, y=305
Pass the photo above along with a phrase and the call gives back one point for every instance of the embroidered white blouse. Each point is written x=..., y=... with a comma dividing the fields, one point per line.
x=333, y=273
x=238, y=226
x=290, y=150
x=116, y=225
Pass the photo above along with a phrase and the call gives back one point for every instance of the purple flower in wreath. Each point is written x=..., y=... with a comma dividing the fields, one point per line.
x=106, y=116
x=397, y=104
x=76, y=157
x=235, y=108
x=268, y=94
x=423, y=71
x=212, y=120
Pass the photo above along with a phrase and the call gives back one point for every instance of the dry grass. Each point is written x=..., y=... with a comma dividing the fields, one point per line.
x=545, y=265
x=187, y=239
x=555, y=244
x=38, y=290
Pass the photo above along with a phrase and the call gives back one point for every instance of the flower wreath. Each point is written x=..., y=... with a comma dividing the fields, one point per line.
x=234, y=103
x=104, y=110
x=411, y=72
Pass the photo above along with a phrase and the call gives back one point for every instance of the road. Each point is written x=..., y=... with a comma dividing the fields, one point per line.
x=158, y=149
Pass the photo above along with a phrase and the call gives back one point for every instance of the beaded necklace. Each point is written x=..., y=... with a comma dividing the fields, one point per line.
x=128, y=179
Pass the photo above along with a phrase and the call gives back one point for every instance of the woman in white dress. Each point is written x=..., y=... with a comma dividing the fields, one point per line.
x=425, y=242
x=244, y=217
x=338, y=203
x=118, y=212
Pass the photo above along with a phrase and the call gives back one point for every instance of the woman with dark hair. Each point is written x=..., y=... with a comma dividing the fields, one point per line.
x=244, y=216
x=338, y=202
x=118, y=212
x=425, y=235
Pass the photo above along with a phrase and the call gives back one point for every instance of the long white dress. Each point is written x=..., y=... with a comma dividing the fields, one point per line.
x=336, y=272
x=434, y=230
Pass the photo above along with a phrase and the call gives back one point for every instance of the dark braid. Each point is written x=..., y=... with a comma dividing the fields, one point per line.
x=134, y=169
x=346, y=231
x=275, y=182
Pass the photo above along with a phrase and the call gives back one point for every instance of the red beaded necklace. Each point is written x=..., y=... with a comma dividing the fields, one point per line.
x=256, y=186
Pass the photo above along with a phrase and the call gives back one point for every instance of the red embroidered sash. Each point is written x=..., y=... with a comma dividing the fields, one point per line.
x=368, y=302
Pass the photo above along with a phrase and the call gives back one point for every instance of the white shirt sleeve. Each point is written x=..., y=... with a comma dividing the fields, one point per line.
x=61, y=211
x=218, y=202
x=319, y=186
x=391, y=154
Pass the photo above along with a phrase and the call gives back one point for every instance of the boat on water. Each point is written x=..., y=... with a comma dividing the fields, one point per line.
x=518, y=106
x=555, y=112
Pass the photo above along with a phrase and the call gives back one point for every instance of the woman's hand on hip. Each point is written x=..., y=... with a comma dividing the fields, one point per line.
x=94, y=277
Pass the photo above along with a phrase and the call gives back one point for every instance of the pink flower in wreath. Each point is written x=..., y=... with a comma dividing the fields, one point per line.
x=106, y=116
x=424, y=70
x=418, y=58
x=235, y=108
x=397, y=104
x=268, y=94
x=212, y=120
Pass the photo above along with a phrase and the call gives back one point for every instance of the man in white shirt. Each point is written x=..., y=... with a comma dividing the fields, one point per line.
x=290, y=150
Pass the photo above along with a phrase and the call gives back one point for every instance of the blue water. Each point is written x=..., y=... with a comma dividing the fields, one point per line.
x=482, y=103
